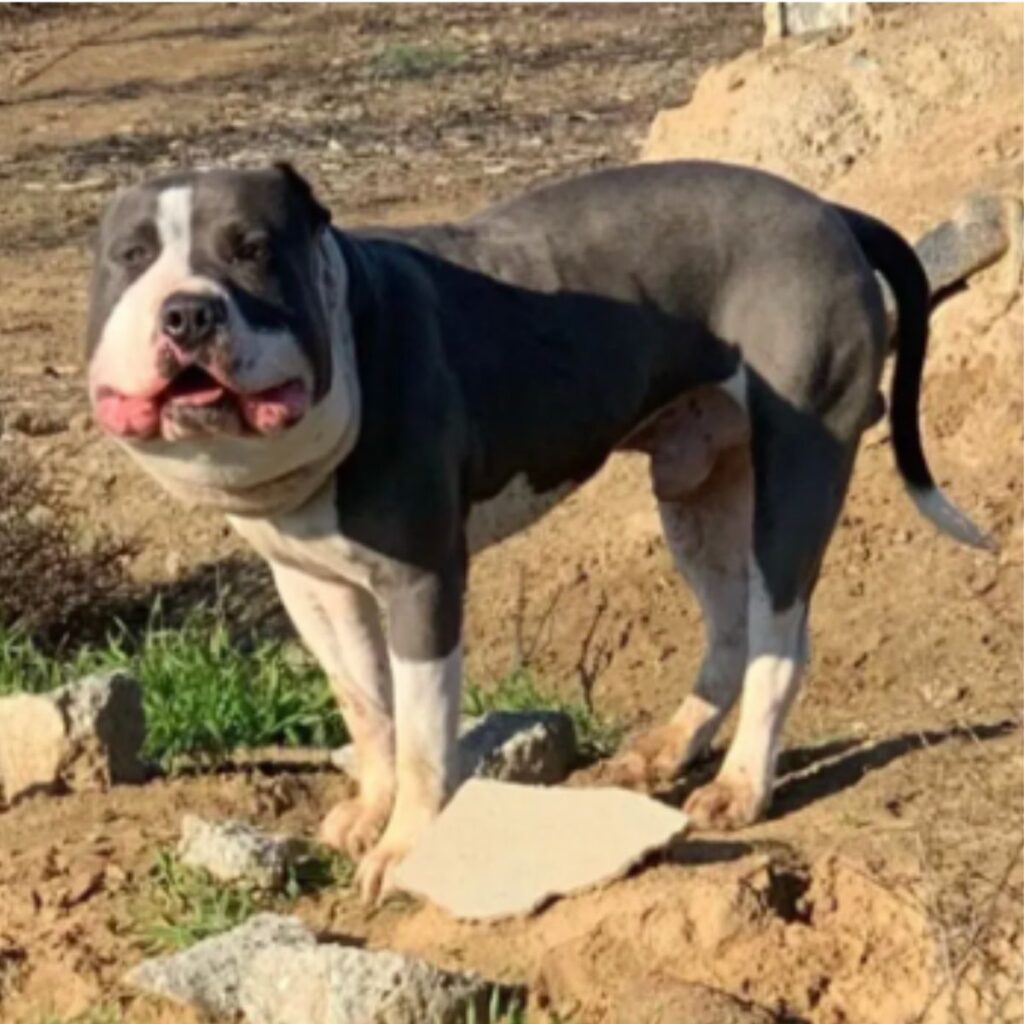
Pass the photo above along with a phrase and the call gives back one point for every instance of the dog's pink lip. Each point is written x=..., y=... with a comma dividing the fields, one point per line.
x=140, y=415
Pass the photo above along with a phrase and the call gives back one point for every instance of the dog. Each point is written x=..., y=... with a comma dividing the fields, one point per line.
x=371, y=407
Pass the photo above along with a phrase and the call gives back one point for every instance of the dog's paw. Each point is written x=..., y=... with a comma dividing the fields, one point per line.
x=727, y=803
x=651, y=759
x=374, y=876
x=352, y=826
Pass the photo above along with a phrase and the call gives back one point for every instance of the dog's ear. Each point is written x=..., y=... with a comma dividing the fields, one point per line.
x=319, y=215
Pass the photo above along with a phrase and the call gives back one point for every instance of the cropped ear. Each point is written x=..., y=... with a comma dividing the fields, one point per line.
x=319, y=215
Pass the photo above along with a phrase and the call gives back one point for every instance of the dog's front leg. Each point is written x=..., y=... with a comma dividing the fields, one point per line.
x=424, y=637
x=340, y=624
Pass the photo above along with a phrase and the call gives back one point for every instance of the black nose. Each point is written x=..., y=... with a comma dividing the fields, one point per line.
x=190, y=320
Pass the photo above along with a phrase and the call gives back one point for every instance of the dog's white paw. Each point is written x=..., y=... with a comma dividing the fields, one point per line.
x=652, y=758
x=374, y=874
x=353, y=826
x=729, y=802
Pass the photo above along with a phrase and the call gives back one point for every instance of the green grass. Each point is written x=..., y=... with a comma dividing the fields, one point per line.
x=204, y=694
x=415, y=60
x=178, y=906
x=597, y=735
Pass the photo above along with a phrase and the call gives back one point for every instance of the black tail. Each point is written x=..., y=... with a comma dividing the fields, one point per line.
x=897, y=262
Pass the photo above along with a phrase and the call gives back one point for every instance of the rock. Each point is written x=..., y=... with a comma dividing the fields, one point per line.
x=33, y=742
x=536, y=747
x=272, y=970
x=209, y=974
x=500, y=849
x=234, y=851
x=787, y=19
x=106, y=723
x=982, y=231
x=333, y=984
x=89, y=732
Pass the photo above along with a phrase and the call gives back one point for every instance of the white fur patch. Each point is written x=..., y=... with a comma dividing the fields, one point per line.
x=124, y=358
x=512, y=509
x=939, y=510
x=736, y=387
x=777, y=656
x=307, y=539
x=426, y=719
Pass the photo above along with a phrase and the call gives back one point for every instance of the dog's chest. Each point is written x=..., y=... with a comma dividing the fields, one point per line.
x=309, y=540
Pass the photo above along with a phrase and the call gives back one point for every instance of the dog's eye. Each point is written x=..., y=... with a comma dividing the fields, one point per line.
x=250, y=251
x=133, y=255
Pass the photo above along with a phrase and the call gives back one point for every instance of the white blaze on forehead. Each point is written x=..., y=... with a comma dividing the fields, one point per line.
x=125, y=358
x=174, y=221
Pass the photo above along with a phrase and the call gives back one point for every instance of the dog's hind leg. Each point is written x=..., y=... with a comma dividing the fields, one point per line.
x=801, y=470
x=708, y=531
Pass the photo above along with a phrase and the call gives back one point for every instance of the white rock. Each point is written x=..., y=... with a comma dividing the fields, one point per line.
x=208, y=975
x=272, y=970
x=333, y=984
x=234, y=851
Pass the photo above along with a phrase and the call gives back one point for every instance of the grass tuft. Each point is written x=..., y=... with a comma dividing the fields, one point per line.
x=178, y=906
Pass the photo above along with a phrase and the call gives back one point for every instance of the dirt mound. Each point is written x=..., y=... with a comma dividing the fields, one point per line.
x=812, y=110
x=764, y=937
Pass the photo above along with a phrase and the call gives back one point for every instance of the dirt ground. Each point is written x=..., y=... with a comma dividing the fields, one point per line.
x=886, y=885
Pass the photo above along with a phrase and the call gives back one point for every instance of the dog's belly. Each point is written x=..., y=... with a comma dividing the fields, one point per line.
x=512, y=509
x=686, y=437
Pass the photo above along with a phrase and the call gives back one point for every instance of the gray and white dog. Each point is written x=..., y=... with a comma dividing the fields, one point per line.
x=371, y=407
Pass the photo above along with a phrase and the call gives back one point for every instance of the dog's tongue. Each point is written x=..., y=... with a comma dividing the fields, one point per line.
x=199, y=396
x=276, y=408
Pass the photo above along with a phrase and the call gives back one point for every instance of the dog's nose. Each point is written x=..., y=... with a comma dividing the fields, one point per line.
x=189, y=320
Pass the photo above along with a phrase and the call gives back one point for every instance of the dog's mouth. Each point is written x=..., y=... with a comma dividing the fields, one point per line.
x=196, y=403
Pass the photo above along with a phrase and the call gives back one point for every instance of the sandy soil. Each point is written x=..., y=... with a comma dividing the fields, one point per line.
x=886, y=885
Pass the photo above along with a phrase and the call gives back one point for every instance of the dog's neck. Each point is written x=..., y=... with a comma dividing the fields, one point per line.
x=262, y=477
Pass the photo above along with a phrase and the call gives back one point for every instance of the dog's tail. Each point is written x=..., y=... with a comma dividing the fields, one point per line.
x=897, y=262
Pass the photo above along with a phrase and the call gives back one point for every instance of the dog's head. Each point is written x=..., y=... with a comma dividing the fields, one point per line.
x=213, y=322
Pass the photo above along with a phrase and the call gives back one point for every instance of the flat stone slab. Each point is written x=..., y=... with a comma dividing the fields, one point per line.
x=536, y=747
x=500, y=849
x=234, y=851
